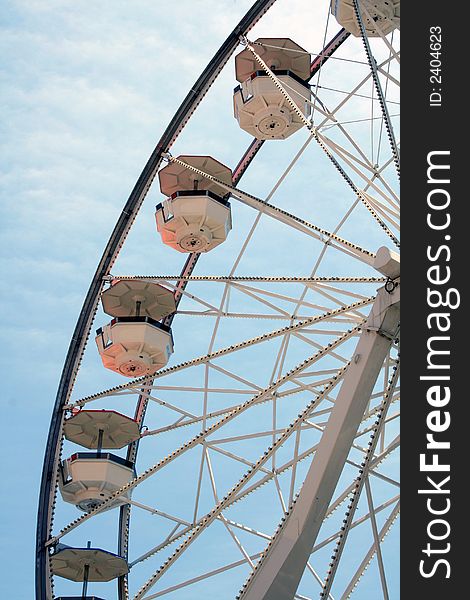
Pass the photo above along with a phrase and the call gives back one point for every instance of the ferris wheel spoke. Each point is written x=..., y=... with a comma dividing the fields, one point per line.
x=374, y=462
x=388, y=214
x=355, y=89
x=370, y=428
x=350, y=160
x=363, y=160
x=390, y=197
x=347, y=491
x=183, y=413
x=215, y=447
x=311, y=281
x=144, y=382
x=370, y=554
x=315, y=344
x=347, y=155
x=256, y=293
x=287, y=218
x=355, y=93
x=327, y=289
x=341, y=106
x=366, y=199
x=365, y=163
x=320, y=107
x=247, y=529
x=292, y=463
x=236, y=315
x=378, y=87
x=356, y=523
x=360, y=482
x=386, y=194
x=214, y=414
x=202, y=577
x=378, y=475
x=184, y=422
x=170, y=539
x=253, y=386
x=317, y=577
x=237, y=541
x=389, y=76
x=160, y=513
x=221, y=516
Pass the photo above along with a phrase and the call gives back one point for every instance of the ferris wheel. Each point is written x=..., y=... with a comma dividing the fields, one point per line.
x=227, y=421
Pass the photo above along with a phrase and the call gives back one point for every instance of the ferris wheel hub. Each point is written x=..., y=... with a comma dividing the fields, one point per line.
x=387, y=262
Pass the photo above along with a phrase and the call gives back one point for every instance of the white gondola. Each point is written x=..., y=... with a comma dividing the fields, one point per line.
x=260, y=108
x=378, y=16
x=135, y=343
x=196, y=216
x=89, y=478
x=134, y=346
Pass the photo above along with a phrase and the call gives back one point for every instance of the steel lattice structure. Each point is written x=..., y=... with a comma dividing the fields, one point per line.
x=287, y=432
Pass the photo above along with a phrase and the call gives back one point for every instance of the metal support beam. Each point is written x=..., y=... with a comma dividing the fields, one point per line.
x=280, y=569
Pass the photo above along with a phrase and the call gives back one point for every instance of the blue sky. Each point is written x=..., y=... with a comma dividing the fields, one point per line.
x=88, y=88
